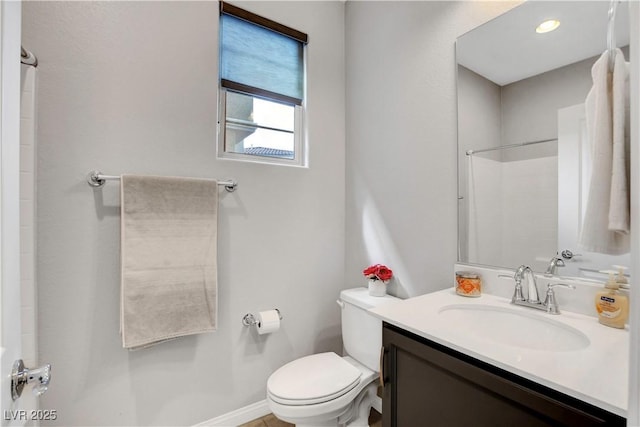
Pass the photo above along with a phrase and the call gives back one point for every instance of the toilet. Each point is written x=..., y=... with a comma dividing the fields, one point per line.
x=329, y=390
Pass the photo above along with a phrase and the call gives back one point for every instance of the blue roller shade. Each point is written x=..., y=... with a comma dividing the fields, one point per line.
x=254, y=57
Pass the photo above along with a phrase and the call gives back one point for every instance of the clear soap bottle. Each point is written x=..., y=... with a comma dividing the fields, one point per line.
x=612, y=307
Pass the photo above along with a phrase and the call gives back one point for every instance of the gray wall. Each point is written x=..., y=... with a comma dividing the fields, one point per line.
x=479, y=126
x=130, y=87
x=530, y=106
x=479, y=111
x=526, y=110
x=401, y=133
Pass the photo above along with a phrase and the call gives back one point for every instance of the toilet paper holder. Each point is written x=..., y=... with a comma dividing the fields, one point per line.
x=250, y=320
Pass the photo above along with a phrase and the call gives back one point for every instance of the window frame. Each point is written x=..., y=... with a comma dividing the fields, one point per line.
x=300, y=157
x=299, y=148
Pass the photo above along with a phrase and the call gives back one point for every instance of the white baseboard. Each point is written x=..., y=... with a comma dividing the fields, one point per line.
x=239, y=416
x=254, y=411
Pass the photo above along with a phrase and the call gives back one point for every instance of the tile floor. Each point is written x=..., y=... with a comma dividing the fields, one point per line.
x=375, y=420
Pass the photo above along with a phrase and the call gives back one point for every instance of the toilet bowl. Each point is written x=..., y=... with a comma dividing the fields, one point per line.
x=326, y=389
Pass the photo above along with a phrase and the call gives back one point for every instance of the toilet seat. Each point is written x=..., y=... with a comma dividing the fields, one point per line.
x=312, y=380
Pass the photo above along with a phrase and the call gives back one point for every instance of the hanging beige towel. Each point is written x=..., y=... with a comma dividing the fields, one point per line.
x=619, y=205
x=595, y=235
x=168, y=250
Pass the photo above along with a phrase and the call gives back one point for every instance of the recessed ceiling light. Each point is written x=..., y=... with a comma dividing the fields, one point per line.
x=548, y=26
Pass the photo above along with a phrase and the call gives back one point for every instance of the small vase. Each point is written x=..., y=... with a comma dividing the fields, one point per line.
x=377, y=288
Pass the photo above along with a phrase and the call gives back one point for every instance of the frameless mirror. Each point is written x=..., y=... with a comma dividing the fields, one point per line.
x=523, y=158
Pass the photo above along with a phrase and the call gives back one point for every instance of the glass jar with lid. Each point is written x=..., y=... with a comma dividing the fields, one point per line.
x=468, y=284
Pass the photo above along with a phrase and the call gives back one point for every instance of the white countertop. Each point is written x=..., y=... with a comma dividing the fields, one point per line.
x=597, y=374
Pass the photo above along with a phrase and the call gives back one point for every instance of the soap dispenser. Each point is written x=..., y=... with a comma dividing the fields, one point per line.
x=621, y=279
x=612, y=307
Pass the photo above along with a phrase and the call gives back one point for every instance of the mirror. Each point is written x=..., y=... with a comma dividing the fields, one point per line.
x=523, y=158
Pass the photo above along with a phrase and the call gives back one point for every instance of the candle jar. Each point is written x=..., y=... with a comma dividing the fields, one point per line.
x=468, y=284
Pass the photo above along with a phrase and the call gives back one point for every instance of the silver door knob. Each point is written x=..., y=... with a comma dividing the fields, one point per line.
x=39, y=378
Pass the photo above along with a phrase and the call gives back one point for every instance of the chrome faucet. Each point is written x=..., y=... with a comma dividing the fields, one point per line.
x=532, y=286
x=554, y=263
x=550, y=304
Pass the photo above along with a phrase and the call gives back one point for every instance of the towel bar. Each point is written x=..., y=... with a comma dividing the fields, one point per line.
x=97, y=179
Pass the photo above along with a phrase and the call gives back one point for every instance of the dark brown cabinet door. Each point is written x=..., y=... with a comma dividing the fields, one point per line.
x=430, y=385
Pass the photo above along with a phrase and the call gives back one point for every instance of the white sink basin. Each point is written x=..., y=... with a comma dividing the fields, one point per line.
x=514, y=327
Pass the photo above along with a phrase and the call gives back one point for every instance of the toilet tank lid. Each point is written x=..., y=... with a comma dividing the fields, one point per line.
x=360, y=298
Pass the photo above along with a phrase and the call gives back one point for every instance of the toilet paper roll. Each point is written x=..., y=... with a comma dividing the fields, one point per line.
x=268, y=321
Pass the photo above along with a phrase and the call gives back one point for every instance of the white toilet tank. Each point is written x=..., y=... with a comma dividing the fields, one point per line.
x=361, y=331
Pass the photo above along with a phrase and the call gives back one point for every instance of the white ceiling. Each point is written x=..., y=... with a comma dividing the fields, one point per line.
x=507, y=48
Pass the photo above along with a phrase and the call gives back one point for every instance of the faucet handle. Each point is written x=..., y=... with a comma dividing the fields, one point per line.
x=517, y=292
x=554, y=263
x=550, y=301
x=567, y=254
x=550, y=286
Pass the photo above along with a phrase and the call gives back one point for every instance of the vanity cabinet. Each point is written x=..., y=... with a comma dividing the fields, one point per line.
x=428, y=384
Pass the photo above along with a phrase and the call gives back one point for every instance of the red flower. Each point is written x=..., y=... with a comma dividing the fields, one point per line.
x=378, y=272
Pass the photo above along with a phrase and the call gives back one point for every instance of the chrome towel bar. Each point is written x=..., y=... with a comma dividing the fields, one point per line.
x=97, y=179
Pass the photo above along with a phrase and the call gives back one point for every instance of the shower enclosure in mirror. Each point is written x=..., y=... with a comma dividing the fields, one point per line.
x=523, y=155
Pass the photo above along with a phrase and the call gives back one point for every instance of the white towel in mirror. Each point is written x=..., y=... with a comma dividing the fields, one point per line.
x=596, y=235
x=619, y=204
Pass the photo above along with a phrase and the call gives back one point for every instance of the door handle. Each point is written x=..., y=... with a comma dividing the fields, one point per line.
x=39, y=378
x=382, y=360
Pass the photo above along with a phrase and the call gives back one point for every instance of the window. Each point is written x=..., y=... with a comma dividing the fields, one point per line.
x=261, y=89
